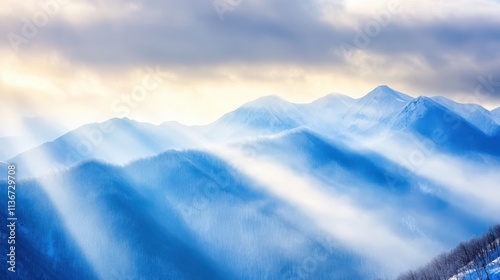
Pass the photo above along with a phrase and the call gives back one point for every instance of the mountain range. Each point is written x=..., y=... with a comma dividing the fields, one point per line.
x=338, y=188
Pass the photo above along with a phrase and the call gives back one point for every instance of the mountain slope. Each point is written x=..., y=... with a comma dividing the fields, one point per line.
x=265, y=115
x=117, y=141
x=371, y=180
x=230, y=216
x=375, y=108
x=44, y=250
x=477, y=258
x=25, y=133
x=123, y=231
x=324, y=114
x=473, y=113
x=178, y=215
x=445, y=128
x=333, y=101
x=333, y=115
x=496, y=114
x=301, y=187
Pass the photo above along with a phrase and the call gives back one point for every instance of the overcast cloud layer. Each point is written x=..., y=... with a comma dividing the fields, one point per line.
x=86, y=54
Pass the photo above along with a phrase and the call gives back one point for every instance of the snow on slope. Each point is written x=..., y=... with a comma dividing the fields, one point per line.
x=446, y=129
x=354, y=171
x=178, y=215
x=116, y=141
x=194, y=198
x=123, y=239
x=332, y=115
x=496, y=115
x=492, y=268
x=473, y=113
x=333, y=101
x=265, y=115
x=272, y=114
x=378, y=106
x=325, y=114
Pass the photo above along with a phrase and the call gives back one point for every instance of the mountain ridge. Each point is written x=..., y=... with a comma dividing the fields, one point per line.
x=194, y=202
x=332, y=115
x=473, y=113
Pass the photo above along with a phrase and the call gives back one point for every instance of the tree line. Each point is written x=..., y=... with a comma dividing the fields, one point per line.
x=470, y=256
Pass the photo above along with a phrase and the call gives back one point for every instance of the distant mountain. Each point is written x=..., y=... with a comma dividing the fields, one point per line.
x=446, y=128
x=179, y=215
x=333, y=115
x=334, y=102
x=496, y=115
x=116, y=141
x=103, y=245
x=272, y=190
x=473, y=113
x=377, y=107
x=265, y=115
x=325, y=114
x=272, y=114
x=381, y=182
x=28, y=133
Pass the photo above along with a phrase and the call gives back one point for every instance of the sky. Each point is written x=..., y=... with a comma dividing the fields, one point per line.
x=193, y=60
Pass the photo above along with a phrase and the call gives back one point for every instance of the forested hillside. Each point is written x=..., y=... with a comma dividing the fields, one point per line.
x=478, y=258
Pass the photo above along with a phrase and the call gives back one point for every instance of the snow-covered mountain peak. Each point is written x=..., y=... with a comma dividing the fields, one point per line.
x=270, y=113
x=419, y=105
x=455, y=106
x=379, y=103
x=270, y=101
x=333, y=100
x=267, y=107
x=385, y=93
x=119, y=121
x=473, y=113
x=415, y=110
x=375, y=108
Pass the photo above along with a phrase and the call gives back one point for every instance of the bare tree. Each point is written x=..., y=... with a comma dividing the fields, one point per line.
x=475, y=254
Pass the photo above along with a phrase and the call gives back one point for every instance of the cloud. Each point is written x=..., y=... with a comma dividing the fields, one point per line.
x=425, y=48
x=191, y=33
x=258, y=31
x=469, y=183
x=334, y=213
